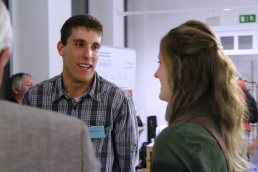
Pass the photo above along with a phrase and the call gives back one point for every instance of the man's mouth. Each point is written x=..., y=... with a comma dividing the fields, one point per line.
x=85, y=66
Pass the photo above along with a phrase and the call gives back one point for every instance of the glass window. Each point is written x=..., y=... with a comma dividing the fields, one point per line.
x=245, y=42
x=227, y=42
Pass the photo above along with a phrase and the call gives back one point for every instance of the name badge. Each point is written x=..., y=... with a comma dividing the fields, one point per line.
x=96, y=132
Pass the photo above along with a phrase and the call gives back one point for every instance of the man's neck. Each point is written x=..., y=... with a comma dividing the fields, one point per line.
x=76, y=90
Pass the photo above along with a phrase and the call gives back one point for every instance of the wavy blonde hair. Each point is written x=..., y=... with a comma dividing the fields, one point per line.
x=203, y=81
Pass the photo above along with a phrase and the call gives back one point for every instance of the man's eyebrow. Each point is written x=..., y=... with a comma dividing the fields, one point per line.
x=76, y=40
x=97, y=43
x=82, y=40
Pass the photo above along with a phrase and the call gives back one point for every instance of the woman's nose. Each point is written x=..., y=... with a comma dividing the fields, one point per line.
x=155, y=74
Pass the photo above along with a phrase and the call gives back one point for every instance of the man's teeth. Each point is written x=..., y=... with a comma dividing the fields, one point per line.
x=84, y=66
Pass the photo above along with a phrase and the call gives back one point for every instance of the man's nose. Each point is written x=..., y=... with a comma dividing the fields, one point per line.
x=88, y=52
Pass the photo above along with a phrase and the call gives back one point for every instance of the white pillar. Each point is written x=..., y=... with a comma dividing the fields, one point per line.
x=106, y=12
x=37, y=25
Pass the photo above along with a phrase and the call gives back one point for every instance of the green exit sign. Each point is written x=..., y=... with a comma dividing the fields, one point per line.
x=251, y=18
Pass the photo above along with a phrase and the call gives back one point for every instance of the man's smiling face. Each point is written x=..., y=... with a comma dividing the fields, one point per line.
x=80, y=55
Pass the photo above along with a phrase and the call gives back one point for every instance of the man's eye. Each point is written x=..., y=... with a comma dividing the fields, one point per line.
x=95, y=47
x=79, y=44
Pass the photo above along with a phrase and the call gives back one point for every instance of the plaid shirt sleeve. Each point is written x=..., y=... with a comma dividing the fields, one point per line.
x=125, y=136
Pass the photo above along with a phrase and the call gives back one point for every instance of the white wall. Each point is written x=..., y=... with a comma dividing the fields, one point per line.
x=106, y=12
x=37, y=25
x=58, y=12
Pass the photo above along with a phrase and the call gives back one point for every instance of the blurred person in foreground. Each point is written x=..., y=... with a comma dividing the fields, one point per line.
x=38, y=140
x=19, y=84
x=198, y=81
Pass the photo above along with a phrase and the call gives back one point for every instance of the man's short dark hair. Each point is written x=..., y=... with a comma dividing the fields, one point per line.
x=91, y=23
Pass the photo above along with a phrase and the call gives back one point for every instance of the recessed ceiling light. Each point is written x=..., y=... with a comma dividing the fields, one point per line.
x=226, y=9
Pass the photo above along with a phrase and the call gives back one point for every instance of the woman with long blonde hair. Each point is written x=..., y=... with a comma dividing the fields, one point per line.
x=198, y=81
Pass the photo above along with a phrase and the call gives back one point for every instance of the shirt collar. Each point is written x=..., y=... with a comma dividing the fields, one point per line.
x=58, y=91
x=94, y=91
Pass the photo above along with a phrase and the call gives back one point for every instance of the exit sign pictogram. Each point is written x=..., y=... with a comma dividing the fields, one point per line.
x=250, y=18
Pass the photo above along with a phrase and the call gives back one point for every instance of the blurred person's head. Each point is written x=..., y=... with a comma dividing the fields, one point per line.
x=6, y=37
x=19, y=84
x=242, y=83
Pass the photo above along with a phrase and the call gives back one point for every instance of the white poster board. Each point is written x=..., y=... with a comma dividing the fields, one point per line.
x=118, y=65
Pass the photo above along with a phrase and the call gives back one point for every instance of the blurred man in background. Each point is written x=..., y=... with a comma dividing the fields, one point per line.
x=19, y=84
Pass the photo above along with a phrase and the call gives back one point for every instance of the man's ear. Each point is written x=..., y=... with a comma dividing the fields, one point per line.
x=15, y=91
x=60, y=48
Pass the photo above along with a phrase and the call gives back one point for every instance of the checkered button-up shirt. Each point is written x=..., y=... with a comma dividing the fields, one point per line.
x=104, y=104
